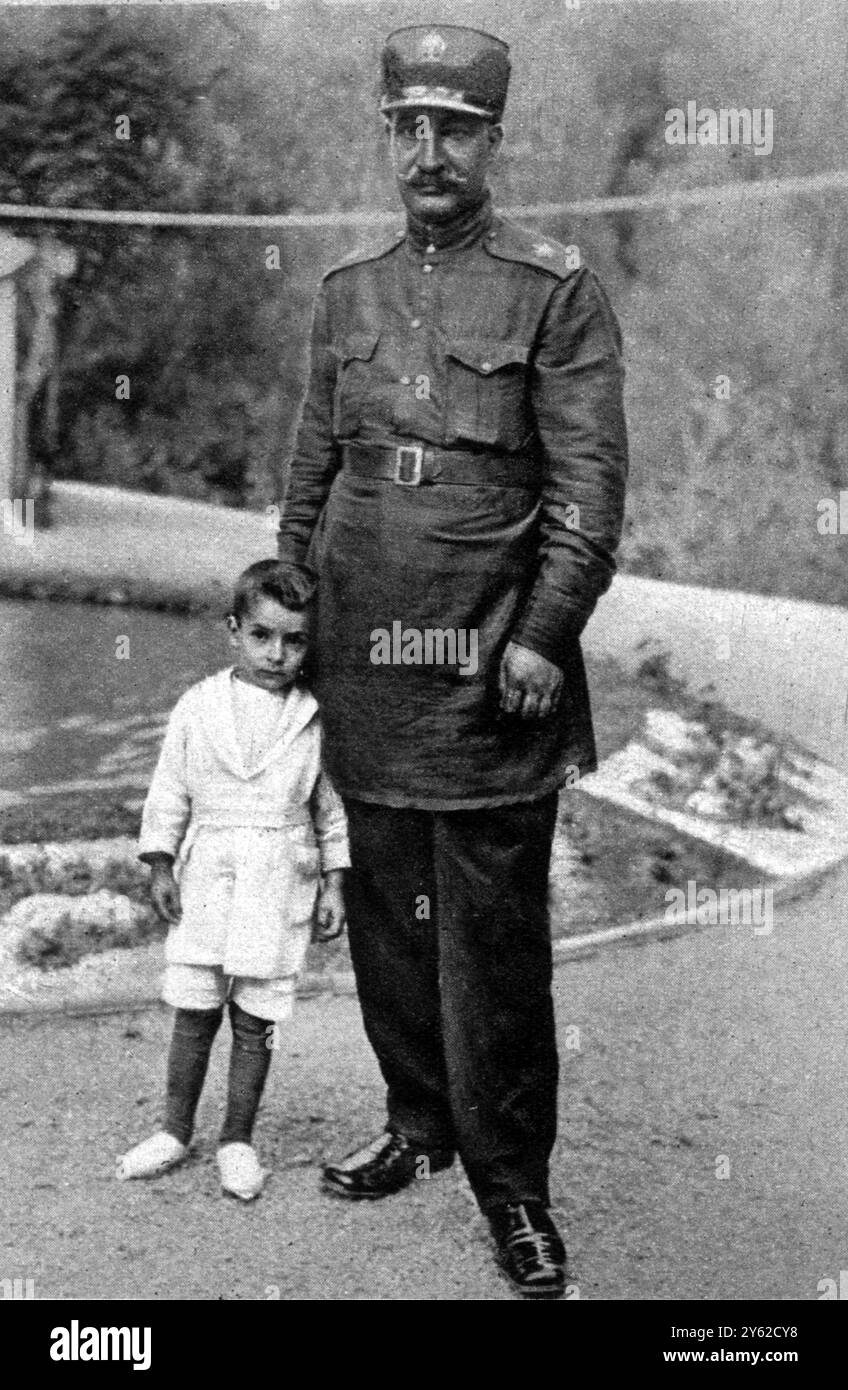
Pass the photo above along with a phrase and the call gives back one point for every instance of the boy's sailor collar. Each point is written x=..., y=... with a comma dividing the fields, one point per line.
x=297, y=709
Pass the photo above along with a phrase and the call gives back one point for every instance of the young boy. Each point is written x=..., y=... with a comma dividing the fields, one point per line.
x=239, y=795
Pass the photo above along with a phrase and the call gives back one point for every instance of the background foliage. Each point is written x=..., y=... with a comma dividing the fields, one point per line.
x=244, y=109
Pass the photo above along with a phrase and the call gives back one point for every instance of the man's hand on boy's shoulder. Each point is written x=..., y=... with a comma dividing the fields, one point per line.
x=330, y=908
x=164, y=890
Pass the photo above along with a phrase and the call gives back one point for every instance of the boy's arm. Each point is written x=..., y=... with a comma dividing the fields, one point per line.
x=168, y=804
x=330, y=823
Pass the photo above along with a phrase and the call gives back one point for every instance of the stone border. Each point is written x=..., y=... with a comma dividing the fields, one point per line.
x=658, y=929
x=341, y=983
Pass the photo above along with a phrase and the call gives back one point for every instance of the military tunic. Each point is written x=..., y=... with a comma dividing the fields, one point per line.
x=494, y=344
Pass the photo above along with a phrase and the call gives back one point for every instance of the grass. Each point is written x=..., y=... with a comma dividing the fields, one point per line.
x=75, y=816
x=65, y=941
x=75, y=878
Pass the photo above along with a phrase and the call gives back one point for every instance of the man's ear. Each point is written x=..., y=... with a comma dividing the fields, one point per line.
x=232, y=624
x=496, y=139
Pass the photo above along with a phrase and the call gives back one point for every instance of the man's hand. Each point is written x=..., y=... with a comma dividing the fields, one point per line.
x=530, y=685
x=330, y=908
x=165, y=893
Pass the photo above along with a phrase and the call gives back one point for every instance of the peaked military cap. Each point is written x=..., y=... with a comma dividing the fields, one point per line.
x=445, y=65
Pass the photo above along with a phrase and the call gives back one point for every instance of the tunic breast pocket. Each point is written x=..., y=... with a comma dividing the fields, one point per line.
x=487, y=395
x=355, y=354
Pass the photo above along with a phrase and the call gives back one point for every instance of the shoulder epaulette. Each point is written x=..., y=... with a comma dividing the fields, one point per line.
x=379, y=248
x=511, y=242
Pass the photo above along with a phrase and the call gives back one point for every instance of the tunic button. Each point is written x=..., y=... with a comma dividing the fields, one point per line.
x=415, y=323
x=426, y=269
x=431, y=250
x=485, y=366
x=405, y=381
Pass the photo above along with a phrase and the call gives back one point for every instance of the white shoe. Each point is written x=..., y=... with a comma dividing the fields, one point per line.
x=152, y=1157
x=242, y=1175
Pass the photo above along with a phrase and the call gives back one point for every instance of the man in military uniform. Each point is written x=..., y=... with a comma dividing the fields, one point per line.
x=458, y=477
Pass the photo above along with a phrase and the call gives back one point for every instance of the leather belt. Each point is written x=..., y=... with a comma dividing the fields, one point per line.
x=413, y=465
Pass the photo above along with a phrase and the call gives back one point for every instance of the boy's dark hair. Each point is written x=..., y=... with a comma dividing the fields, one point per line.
x=289, y=585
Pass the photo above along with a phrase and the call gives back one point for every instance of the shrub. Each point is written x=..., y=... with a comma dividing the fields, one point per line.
x=68, y=938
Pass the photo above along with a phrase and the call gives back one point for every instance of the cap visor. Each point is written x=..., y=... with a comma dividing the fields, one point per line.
x=437, y=103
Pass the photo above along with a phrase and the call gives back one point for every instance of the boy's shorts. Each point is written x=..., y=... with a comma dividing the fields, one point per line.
x=207, y=987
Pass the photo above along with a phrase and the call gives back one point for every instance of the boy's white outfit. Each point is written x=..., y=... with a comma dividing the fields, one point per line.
x=240, y=799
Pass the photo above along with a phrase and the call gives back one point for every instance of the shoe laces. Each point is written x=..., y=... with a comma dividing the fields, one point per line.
x=536, y=1247
x=378, y=1148
x=368, y=1154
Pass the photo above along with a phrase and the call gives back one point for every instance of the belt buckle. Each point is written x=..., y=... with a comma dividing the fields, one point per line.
x=405, y=453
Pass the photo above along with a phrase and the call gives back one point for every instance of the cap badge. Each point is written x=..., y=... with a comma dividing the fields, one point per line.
x=432, y=47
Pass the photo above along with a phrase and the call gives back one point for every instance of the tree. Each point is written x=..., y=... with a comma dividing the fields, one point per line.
x=113, y=114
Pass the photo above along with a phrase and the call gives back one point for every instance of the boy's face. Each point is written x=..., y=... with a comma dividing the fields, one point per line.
x=270, y=643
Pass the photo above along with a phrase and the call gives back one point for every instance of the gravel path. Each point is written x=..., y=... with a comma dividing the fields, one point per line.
x=718, y=1046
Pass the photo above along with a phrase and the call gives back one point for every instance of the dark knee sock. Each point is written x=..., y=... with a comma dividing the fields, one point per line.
x=188, y=1058
x=249, y=1063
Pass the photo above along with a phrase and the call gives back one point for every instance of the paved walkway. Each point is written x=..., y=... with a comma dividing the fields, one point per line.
x=107, y=539
x=721, y=1048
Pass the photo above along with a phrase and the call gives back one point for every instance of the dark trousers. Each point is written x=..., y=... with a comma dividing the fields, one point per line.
x=450, y=940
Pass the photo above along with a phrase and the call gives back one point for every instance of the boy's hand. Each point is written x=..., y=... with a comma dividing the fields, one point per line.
x=165, y=893
x=330, y=908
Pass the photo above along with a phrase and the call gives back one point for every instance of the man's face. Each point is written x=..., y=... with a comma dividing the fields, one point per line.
x=440, y=159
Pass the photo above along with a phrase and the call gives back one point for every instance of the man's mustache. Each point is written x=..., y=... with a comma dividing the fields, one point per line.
x=415, y=180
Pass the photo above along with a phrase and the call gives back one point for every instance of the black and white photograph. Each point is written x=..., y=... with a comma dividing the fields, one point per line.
x=424, y=663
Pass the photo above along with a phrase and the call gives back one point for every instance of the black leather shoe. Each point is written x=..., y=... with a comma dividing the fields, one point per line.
x=386, y=1165
x=530, y=1250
